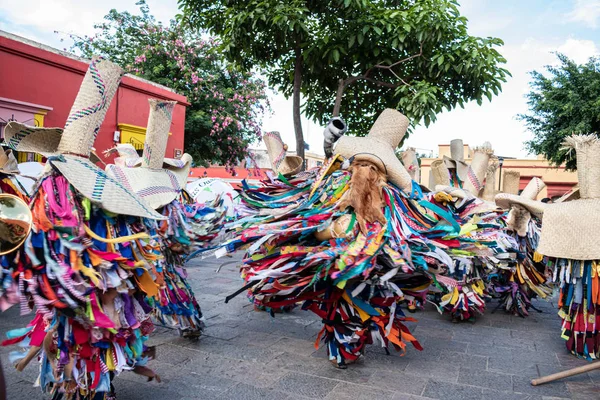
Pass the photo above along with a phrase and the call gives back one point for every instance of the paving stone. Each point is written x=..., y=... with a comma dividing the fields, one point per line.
x=249, y=392
x=499, y=395
x=398, y=382
x=404, y=396
x=522, y=384
x=452, y=391
x=306, y=385
x=545, y=370
x=348, y=391
x=584, y=390
x=439, y=371
x=464, y=360
x=485, y=379
x=487, y=350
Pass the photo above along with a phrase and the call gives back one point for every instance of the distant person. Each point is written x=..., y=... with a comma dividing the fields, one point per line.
x=547, y=200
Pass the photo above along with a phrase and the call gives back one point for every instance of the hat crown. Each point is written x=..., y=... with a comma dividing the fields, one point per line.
x=587, y=148
x=390, y=127
x=275, y=148
x=157, y=132
x=478, y=168
x=533, y=188
x=457, y=150
x=511, y=182
x=97, y=90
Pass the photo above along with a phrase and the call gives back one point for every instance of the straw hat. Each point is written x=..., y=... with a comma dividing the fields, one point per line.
x=156, y=179
x=75, y=144
x=489, y=189
x=411, y=163
x=8, y=162
x=573, y=194
x=526, y=201
x=379, y=147
x=478, y=168
x=570, y=229
x=511, y=182
x=281, y=162
x=439, y=174
x=456, y=160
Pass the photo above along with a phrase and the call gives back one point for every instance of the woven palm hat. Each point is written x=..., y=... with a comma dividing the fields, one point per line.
x=456, y=160
x=8, y=162
x=489, y=188
x=523, y=206
x=573, y=194
x=570, y=229
x=379, y=147
x=439, y=175
x=70, y=156
x=411, y=163
x=511, y=182
x=281, y=162
x=154, y=178
x=474, y=181
x=527, y=198
x=32, y=139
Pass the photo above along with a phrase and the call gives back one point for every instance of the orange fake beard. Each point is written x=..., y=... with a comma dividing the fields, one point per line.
x=365, y=194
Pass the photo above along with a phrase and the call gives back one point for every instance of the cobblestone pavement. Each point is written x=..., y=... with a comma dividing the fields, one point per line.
x=248, y=355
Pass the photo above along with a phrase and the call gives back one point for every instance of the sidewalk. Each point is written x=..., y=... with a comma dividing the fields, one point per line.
x=248, y=355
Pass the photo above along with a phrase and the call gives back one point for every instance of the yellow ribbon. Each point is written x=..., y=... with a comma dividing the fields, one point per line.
x=121, y=239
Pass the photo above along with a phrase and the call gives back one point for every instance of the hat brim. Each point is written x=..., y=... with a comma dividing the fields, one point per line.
x=507, y=200
x=31, y=139
x=291, y=165
x=461, y=167
x=101, y=188
x=570, y=230
x=380, y=154
x=11, y=166
x=157, y=187
x=569, y=196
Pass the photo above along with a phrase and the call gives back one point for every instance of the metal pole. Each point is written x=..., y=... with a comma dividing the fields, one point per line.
x=500, y=162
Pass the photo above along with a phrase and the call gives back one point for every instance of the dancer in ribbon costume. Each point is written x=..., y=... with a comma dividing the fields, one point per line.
x=481, y=246
x=519, y=284
x=8, y=286
x=81, y=266
x=346, y=243
x=159, y=181
x=570, y=238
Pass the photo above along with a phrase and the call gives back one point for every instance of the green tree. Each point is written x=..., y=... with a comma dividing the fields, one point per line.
x=563, y=102
x=226, y=104
x=356, y=57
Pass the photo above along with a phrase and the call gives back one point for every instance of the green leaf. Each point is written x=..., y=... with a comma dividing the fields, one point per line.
x=336, y=55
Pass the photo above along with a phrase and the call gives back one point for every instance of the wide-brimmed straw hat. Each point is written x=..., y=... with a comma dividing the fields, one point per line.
x=572, y=194
x=489, y=188
x=156, y=179
x=379, y=147
x=411, y=163
x=70, y=156
x=456, y=160
x=281, y=162
x=474, y=182
x=8, y=162
x=525, y=201
x=570, y=229
x=511, y=182
x=439, y=175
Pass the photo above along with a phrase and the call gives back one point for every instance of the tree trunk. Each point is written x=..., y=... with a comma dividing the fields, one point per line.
x=296, y=104
x=338, y=98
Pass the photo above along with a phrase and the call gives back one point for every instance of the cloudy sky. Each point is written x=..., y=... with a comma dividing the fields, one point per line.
x=531, y=30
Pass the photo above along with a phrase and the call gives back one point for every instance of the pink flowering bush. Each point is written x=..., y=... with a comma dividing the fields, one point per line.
x=226, y=105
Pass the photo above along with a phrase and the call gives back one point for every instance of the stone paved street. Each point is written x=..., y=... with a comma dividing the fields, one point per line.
x=248, y=355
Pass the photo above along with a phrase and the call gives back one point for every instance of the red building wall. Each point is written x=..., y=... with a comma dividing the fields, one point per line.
x=33, y=73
